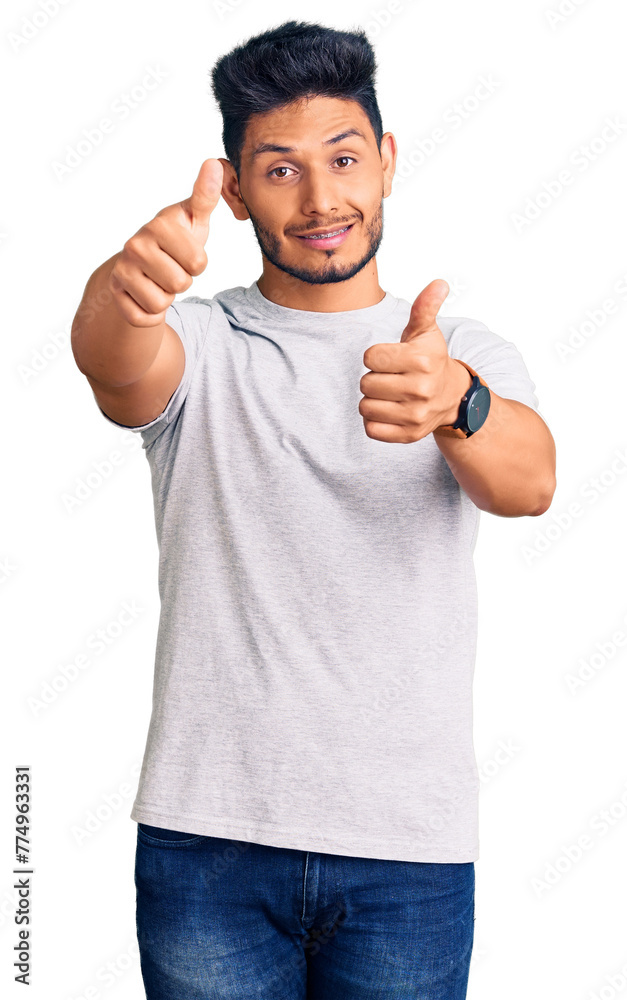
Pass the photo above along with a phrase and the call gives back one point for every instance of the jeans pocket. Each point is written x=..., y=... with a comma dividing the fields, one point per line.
x=159, y=835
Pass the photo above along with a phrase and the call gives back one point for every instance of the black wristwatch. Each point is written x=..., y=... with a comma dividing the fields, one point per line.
x=473, y=409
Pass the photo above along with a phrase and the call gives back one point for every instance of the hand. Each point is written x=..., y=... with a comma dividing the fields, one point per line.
x=162, y=257
x=414, y=386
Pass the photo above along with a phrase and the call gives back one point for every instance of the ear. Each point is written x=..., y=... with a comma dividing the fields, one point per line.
x=389, y=152
x=231, y=192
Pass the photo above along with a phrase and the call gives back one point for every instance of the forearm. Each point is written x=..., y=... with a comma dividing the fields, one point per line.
x=508, y=466
x=104, y=344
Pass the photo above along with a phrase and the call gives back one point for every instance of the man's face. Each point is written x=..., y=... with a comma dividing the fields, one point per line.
x=295, y=182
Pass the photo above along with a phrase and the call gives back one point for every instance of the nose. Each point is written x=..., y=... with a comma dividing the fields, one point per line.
x=318, y=193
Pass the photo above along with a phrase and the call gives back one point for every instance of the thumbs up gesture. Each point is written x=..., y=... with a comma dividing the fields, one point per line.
x=414, y=386
x=162, y=257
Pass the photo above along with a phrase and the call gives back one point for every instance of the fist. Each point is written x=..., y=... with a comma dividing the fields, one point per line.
x=414, y=386
x=163, y=257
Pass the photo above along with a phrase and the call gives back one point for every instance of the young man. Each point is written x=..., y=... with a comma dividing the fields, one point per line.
x=307, y=806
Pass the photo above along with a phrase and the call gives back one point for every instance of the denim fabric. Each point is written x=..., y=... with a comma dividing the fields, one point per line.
x=222, y=919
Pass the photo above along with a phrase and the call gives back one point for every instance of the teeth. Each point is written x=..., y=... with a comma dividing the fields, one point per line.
x=327, y=236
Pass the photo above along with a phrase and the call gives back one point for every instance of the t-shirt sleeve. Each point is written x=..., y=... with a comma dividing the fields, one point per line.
x=497, y=360
x=190, y=319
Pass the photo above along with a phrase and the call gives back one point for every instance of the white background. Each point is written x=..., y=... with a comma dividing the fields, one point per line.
x=551, y=589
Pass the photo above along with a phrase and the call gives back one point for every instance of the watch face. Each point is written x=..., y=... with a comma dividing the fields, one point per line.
x=478, y=409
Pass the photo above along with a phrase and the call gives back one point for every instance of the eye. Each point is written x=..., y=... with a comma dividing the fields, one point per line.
x=281, y=176
x=278, y=168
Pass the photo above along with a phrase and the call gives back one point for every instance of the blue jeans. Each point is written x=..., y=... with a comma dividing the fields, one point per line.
x=222, y=919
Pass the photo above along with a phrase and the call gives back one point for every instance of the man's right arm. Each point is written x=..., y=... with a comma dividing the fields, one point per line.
x=131, y=358
x=132, y=370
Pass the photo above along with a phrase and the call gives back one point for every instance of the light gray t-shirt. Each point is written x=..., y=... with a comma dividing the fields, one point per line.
x=317, y=638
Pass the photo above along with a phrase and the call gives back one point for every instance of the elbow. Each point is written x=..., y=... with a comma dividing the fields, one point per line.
x=546, y=499
x=517, y=507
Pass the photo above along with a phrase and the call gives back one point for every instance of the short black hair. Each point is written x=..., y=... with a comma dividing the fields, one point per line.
x=294, y=60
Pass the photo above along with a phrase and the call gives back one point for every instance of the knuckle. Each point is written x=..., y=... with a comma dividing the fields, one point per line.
x=117, y=279
x=130, y=313
x=159, y=302
x=145, y=319
x=421, y=413
x=163, y=219
x=160, y=222
x=414, y=393
x=185, y=283
x=198, y=262
x=132, y=250
x=134, y=317
x=425, y=362
x=158, y=229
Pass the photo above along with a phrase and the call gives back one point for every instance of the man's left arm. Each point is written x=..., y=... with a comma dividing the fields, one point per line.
x=414, y=387
x=507, y=467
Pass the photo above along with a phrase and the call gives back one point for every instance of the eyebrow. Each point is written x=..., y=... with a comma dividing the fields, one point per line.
x=270, y=147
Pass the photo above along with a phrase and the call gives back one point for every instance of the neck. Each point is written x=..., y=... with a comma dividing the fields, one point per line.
x=358, y=292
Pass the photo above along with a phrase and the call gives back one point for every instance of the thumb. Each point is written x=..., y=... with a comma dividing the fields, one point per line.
x=204, y=197
x=422, y=318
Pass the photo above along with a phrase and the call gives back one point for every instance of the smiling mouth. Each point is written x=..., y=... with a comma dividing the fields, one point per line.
x=327, y=236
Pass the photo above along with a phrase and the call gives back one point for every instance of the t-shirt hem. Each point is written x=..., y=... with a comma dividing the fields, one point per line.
x=304, y=840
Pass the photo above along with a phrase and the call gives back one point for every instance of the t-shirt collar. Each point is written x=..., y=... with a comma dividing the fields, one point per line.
x=368, y=313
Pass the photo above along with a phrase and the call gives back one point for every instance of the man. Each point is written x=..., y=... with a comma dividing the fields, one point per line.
x=320, y=451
